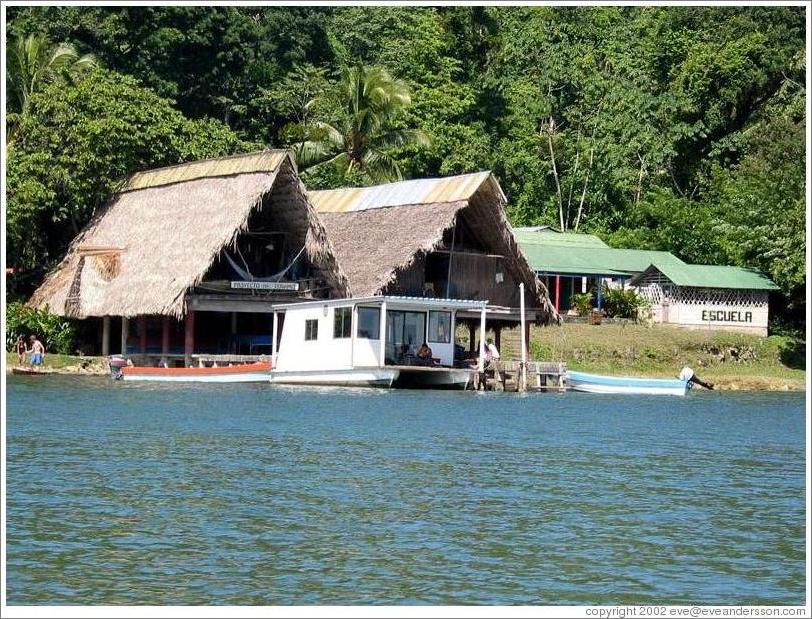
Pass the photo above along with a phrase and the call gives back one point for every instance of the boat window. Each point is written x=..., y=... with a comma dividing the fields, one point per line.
x=342, y=322
x=311, y=329
x=440, y=327
x=405, y=332
x=369, y=322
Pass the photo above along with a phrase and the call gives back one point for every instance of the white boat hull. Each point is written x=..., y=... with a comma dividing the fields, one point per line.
x=596, y=383
x=373, y=377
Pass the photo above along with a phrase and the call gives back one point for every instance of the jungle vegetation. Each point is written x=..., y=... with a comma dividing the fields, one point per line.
x=673, y=128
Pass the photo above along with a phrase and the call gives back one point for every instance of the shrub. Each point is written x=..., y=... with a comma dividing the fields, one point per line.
x=620, y=303
x=583, y=303
x=56, y=333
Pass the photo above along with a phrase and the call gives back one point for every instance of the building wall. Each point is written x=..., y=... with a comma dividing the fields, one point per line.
x=706, y=308
x=473, y=276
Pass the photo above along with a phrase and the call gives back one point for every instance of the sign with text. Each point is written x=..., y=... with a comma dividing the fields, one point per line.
x=726, y=316
x=287, y=286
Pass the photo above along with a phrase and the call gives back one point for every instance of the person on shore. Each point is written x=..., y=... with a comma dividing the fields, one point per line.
x=22, y=350
x=37, y=351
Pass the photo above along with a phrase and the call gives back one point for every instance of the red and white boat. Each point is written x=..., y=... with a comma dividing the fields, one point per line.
x=243, y=373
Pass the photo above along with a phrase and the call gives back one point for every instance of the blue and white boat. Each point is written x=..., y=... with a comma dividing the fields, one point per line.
x=597, y=383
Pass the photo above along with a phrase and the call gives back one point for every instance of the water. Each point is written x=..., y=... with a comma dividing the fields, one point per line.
x=126, y=494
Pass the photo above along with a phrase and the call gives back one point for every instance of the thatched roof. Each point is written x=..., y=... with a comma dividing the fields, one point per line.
x=158, y=237
x=380, y=231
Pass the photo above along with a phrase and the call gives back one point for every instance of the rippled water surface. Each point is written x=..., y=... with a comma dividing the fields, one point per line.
x=126, y=494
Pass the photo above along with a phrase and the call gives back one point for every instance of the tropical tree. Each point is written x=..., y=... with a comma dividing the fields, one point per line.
x=33, y=62
x=362, y=131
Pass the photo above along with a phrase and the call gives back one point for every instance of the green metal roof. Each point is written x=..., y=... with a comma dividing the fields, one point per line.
x=552, y=258
x=548, y=236
x=714, y=276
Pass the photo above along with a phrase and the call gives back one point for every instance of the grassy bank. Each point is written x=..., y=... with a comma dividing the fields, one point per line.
x=731, y=360
x=65, y=364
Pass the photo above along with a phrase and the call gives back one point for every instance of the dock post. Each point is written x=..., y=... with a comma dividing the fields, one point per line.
x=165, y=342
x=521, y=379
x=481, y=365
x=105, y=346
x=125, y=334
x=189, y=337
x=142, y=334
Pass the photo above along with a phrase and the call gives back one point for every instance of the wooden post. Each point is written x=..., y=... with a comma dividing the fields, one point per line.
x=165, y=341
x=105, y=347
x=382, y=335
x=521, y=379
x=273, y=339
x=557, y=292
x=142, y=334
x=599, y=284
x=471, y=337
x=189, y=337
x=234, y=345
x=125, y=334
x=482, y=339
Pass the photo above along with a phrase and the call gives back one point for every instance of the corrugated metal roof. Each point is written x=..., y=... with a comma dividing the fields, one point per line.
x=714, y=276
x=568, y=259
x=547, y=236
x=264, y=161
x=419, y=191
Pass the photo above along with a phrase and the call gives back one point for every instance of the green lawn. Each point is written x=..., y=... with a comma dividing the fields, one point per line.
x=732, y=360
x=65, y=362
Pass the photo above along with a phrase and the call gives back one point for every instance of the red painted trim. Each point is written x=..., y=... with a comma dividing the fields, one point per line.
x=557, y=291
x=230, y=369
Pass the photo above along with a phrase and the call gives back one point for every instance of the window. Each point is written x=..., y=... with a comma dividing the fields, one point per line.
x=369, y=322
x=311, y=329
x=342, y=322
x=440, y=327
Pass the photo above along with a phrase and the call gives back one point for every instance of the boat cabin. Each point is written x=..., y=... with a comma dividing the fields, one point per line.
x=340, y=341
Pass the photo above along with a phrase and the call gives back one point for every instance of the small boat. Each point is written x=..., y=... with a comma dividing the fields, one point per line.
x=597, y=383
x=242, y=373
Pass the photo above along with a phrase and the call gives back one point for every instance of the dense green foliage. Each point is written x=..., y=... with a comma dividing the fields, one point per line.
x=75, y=145
x=622, y=302
x=55, y=332
x=674, y=128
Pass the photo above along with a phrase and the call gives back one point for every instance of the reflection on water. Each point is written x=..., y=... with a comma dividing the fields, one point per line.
x=251, y=494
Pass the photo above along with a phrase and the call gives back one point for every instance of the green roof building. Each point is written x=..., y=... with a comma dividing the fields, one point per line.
x=691, y=295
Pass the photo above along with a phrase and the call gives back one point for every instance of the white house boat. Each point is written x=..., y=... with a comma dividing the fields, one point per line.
x=338, y=342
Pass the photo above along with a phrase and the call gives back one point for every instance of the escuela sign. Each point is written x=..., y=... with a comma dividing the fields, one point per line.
x=726, y=316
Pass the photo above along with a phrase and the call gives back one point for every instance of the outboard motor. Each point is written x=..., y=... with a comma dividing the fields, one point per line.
x=689, y=376
x=116, y=363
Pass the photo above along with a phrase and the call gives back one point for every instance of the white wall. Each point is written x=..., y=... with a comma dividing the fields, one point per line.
x=326, y=352
x=750, y=319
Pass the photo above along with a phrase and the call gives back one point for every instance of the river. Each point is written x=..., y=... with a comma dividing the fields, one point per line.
x=250, y=494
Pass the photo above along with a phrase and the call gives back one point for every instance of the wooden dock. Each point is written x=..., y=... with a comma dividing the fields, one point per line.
x=506, y=376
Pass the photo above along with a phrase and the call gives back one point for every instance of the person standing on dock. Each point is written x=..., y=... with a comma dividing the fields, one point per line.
x=37, y=351
x=491, y=352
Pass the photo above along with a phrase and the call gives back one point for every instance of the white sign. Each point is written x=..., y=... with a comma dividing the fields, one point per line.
x=265, y=285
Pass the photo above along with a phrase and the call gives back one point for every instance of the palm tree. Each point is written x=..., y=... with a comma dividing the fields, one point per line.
x=368, y=103
x=33, y=61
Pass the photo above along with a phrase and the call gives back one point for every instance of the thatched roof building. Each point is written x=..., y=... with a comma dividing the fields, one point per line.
x=449, y=236
x=160, y=234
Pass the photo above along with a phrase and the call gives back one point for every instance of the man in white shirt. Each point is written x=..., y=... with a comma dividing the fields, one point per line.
x=491, y=352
